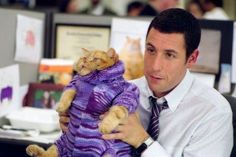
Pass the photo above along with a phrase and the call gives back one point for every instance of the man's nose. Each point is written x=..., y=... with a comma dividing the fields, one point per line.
x=157, y=63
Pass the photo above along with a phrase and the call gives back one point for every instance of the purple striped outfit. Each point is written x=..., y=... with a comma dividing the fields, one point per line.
x=96, y=93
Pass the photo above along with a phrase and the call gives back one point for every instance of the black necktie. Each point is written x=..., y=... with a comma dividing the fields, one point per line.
x=153, y=128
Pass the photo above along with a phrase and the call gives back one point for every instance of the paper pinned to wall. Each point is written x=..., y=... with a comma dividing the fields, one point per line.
x=234, y=56
x=9, y=89
x=127, y=29
x=29, y=41
x=128, y=39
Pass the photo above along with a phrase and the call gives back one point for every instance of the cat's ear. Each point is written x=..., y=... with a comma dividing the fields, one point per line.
x=85, y=51
x=113, y=55
x=111, y=52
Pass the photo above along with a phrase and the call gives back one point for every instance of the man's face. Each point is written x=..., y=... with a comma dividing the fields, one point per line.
x=165, y=61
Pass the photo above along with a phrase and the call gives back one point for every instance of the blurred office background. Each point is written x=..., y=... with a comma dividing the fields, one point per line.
x=118, y=7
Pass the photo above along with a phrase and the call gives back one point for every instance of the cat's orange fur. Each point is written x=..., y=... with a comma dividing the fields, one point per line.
x=132, y=57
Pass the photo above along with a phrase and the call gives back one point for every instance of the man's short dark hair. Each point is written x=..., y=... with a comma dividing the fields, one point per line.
x=179, y=21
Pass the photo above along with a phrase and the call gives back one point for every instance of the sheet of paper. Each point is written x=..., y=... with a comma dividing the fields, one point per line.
x=234, y=56
x=71, y=39
x=224, y=85
x=208, y=79
x=9, y=89
x=125, y=31
x=29, y=41
x=128, y=39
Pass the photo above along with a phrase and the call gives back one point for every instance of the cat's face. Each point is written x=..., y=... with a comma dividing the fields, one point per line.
x=95, y=60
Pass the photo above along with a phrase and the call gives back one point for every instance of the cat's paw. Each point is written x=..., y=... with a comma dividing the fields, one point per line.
x=62, y=107
x=114, y=117
x=108, y=124
x=34, y=150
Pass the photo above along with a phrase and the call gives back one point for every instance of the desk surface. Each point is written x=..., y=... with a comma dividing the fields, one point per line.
x=13, y=146
x=43, y=138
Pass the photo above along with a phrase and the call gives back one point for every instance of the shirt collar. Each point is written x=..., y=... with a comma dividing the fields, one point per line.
x=177, y=94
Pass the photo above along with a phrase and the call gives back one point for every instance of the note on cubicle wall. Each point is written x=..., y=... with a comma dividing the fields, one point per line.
x=128, y=34
x=70, y=39
x=29, y=42
x=234, y=56
x=9, y=89
x=128, y=39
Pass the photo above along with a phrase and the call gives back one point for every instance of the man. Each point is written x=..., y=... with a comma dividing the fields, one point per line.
x=198, y=120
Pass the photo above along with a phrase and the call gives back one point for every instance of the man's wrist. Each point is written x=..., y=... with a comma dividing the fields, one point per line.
x=141, y=139
x=146, y=143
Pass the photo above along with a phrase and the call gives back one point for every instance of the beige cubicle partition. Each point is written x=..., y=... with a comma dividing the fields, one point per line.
x=8, y=22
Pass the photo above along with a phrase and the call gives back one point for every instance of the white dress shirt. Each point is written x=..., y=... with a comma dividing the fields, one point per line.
x=198, y=122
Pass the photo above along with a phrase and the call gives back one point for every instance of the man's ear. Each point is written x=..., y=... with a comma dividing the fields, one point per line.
x=192, y=59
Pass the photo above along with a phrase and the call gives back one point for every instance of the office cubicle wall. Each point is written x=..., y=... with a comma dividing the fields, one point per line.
x=29, y=71
x=226, y=43
x=8, y=21
x=226, y=29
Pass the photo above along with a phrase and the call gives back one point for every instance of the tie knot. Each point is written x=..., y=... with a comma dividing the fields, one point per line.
x=161, y=106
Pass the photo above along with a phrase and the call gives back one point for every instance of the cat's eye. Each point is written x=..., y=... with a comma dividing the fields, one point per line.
x=98, y=60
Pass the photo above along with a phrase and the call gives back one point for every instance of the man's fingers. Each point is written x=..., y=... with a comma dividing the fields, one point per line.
x=101, y=117
x=64, y=119
x=112, y=136
x=63, y=114
x=63, y=128
x=120, y=128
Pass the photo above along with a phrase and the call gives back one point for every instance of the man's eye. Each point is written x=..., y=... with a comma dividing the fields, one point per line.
x=150, y=50
x=170, y=55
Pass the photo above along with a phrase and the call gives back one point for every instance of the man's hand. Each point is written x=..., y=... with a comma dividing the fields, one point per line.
x=130, y=131
x=64, y=119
